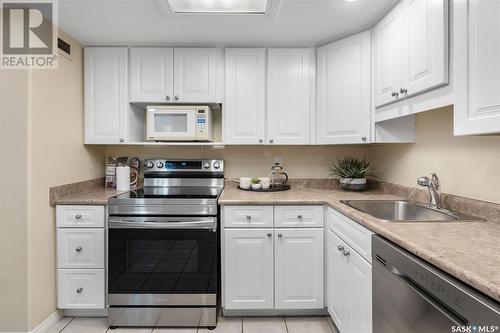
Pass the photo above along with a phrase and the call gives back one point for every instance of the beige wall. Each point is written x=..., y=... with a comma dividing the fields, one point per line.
x=298, y=161
x=467, y=166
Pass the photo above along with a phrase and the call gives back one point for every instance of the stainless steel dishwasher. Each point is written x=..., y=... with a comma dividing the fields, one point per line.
x=410, y=295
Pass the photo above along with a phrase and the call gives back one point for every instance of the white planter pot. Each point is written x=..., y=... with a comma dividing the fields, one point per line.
x=353, y=181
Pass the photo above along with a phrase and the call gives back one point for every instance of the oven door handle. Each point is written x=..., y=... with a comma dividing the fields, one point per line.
x=151, y=224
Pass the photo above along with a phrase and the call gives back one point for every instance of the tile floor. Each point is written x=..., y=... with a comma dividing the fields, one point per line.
x=224, y=325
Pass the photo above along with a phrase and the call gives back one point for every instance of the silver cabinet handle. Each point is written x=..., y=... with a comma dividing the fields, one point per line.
x=79, y=290
x=340, y=247
x=122, y=140
x=248, y=217
x=269, y=234
x=280, y=235
x=299, y=216
x=403, y=91
x=260, y=140
x=78, y=216
x=176, y=97
x=394, y=94
x=168, y=98
x=363, y=138
x=79, y=249
x=346, y=253
x=271, y=141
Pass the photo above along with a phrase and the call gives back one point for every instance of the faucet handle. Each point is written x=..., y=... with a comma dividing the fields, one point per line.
x=435, y=181
x=423, y=181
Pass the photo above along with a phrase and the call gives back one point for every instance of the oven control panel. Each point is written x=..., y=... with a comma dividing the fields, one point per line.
x=162, y=165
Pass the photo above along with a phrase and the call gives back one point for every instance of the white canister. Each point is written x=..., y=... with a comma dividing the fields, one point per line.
x=122, y=178
x=245, y=182
x=265, y=182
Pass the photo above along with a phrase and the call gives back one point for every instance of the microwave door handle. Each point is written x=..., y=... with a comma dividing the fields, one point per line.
x=148, y=224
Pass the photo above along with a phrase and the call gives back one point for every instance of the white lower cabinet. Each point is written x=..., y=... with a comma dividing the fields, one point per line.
x=299, y=268
x=80, y=257
x=272, y=268
x=249, y=268
x=349, y=283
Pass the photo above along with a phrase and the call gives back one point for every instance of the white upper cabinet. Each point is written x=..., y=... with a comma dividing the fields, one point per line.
x=343, y=90
x=244, y=111
x=105, y=95
x=299, y=268
x=388, y=56
x=425, y=58
x=410, y=50
x=195, y=76
x=151, y=74
x=477, y=84
x=289, y=95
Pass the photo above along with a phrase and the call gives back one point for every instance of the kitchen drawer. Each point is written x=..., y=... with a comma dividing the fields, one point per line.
x=75, y=216
x=80, y=289
x=80, y=248
x=298, y=216
x=248, y=216
x=353, y=233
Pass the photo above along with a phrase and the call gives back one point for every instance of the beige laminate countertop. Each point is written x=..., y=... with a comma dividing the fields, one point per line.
x=470, y=251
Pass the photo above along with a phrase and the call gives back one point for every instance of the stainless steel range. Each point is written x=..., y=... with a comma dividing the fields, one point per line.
x=163, y=247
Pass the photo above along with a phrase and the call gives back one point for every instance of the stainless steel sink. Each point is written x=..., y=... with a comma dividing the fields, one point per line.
x=405, y=211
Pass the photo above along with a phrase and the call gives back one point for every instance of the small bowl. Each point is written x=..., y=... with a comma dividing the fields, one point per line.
x=256, y=186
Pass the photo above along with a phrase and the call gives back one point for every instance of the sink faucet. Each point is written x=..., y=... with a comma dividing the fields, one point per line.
x=434, y=187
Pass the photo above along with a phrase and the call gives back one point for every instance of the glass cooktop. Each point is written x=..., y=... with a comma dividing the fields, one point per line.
x=172, y=192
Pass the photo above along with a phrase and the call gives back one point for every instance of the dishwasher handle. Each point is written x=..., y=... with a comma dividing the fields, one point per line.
x=431, y=300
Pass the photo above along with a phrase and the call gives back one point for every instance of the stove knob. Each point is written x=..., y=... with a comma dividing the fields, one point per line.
x=159, y=165
x=149, y=165
x=216, y=165
x=206, y=165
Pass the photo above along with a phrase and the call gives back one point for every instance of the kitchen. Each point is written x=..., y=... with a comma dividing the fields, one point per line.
x=407, y=85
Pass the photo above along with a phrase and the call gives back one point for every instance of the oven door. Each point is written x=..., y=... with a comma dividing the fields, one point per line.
x=175, y=125
x=163, y=261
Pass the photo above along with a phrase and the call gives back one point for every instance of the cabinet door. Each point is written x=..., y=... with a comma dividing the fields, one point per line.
x=80, y=248
x=195, y=75
x=248, y=268
x=477, y=106
x=359, y=285
x=244, y=113
x=425, y=56
x=289, y=95
x=151, y=74
x=388, y=56
x=80, y=289
x=299, y=269
x=106, y=101
x=336, y=281
x=343, y=106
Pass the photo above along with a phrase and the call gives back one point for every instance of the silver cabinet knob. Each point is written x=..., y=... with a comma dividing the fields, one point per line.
x=78, y=216
x=79, y=290
x=176, y=97
x=363, y=138
x=269, y=234
x=167, y=98
x=122, y=140
x=394, y=94
x=340, y=247
x=260, y=140
x=79, y=249
x=280, y=235
x=271, y=141
x=346, y=253
x=248, y=217
x=299, y=216
x=403, y=91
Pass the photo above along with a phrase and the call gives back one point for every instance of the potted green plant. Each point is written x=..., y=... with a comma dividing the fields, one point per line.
x=256, y=183
x=352, y=172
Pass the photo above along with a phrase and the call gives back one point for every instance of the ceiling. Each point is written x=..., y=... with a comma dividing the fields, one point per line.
x=149, y=22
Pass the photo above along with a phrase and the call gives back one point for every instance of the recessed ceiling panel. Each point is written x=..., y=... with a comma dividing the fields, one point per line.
x=218, y=6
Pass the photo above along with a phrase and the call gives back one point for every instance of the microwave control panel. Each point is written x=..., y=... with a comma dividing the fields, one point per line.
x=203, y=125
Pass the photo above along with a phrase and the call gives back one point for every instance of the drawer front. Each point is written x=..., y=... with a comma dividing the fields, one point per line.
x=80, y=248
x=298, y=216
x=75, y=216
x=354, y=234
x=248, y=216
x=80, y=289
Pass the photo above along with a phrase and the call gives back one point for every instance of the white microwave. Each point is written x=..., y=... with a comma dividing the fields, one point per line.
x=179, y=123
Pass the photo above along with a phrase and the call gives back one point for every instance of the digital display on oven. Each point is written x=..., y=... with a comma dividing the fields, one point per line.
x=180, y=165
